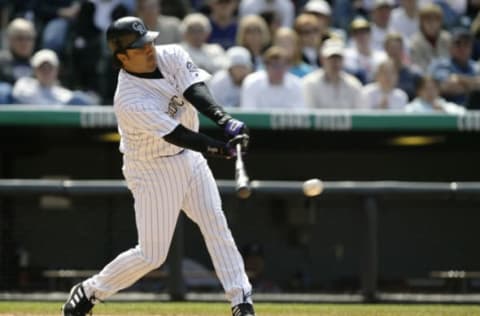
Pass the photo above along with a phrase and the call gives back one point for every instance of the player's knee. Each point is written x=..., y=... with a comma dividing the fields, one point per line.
x=152, y=261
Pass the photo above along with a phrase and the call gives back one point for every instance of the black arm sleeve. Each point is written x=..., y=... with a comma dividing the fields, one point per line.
x=199, y=95
x=186, y=138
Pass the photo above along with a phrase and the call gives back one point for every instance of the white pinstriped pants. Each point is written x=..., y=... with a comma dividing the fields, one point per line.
x=161, y=189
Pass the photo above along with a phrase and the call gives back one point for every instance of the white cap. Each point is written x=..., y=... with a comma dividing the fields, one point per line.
x=332, y=47
x=318, y=6
x=381, y=3
x=44, y=56
x=239, y=56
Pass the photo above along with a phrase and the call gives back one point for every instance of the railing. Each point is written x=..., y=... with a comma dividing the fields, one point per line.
x=369, y=191
x=322, y=120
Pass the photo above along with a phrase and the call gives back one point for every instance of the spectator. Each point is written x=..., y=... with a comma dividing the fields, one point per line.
x=287, y=39
x=15, y=61
x=407, y=74
x=405, y=19
x=430, y=42
x=223, y=22
x=380, y=16
x=226, y=84
x=331, y=87
x=361, y=58
x=169, y=26
x=273, y=87
x=428, y=99
x=322, y=10
x=56, y=17
x=86, y=51
x=383, y=94
x=452, y=11
x=253, y=34
x=283, y=9
x=475, y=29
x=107, y=11
x=196, y=28
x=308, y=28
x=43, y=88
x=458, y=75
x=344, y=11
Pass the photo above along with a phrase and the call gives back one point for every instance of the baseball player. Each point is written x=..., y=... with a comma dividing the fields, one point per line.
x=158, y=95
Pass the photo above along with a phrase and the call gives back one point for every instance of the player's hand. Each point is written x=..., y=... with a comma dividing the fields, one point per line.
x=229, y=149
x=234, y=127
x=242, y=139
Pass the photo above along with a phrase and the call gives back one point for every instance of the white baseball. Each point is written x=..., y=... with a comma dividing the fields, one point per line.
x=312, y=187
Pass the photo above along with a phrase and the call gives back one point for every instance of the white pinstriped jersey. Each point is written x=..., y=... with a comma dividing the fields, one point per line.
x=148, y=109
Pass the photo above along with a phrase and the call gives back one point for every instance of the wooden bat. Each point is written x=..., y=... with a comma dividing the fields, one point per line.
x=242, y=185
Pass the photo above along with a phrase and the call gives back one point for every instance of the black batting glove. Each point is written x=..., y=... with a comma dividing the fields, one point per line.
x=228, y=150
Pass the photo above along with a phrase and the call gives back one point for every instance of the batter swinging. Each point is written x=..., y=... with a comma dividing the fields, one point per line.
x=158, y=94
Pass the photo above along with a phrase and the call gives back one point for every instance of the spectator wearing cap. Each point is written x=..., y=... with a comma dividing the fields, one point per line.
x=430, y=42
x=428, y=99
x=288, y=39
x=254, y=35
x=44, y=89
x=322, y=10
x=380, y=17
x=308, y=28
x=273, y=87
x=196, y=28
x=332, y=87
x=15, y=60
x=382, y=94
x=407, y=73
x=223, y=21
x=404, y=19
x=225, y=84
x=283, y=9
x=361, y=58
x=168, y=26
x=458, y=75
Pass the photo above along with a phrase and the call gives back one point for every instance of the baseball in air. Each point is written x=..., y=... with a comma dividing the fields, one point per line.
x=312, y=187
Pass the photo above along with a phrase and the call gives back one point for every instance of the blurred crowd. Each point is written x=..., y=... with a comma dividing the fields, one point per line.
x=403, y=55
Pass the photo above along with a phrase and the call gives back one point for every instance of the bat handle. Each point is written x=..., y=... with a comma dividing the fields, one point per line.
x=239, y=151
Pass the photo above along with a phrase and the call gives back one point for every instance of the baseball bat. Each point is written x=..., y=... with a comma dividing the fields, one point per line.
x=241, y=179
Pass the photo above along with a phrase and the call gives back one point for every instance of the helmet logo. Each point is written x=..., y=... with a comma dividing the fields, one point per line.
x=139, y=27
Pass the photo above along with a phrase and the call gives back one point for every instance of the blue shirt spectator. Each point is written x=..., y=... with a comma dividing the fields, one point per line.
x=459, y=74
x=224, y=36
x=223, y=22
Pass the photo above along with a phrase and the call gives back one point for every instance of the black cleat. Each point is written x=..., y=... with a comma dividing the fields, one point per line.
x=243, y=309
x=78, y=304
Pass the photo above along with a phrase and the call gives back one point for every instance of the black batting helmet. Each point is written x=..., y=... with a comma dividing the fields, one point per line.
x=128, y=32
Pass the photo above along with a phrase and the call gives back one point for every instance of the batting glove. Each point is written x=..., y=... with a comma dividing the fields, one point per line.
x=229, y=149
x=242, y=139
x=234, y=127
